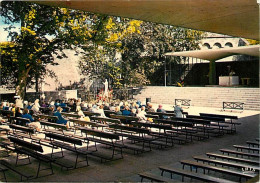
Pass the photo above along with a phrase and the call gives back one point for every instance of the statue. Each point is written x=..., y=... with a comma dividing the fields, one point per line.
x=106, y=88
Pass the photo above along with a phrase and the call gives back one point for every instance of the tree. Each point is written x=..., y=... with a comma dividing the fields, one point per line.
x=142, y=46
x=44, y=32
x=99, y=59
x=145, y=52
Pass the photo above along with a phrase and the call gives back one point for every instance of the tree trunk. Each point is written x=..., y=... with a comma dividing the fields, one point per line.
x=22, y=83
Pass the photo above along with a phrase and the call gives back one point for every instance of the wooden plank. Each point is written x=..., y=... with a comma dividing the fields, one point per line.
x=249, y=161
x=217, y=169
x=198, y=176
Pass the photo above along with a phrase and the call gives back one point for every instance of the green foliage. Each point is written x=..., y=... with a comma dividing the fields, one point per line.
x=44, y=33
x=142, y=46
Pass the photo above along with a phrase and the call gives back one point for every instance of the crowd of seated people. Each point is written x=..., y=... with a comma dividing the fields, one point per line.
x=54, y=108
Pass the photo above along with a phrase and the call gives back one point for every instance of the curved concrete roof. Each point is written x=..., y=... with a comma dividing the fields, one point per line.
x=231, y=17
x=216, y=54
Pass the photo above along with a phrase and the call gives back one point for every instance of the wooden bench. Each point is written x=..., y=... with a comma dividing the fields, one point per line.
x=229, y=151
x=185, y=128
x=45, y=110
x=199, y=125
x=240, y=174
x=87, y=113
x=54, y=125
x=161, y=136
x=215, y=122
x=177, y=129
x=89, y=123
x=243, y=160
x=246, y=148
x=152, y=116
x=31, y=150
x=23, y=129
x=105, y=120
x=225, y=163
x=139, y=136
x=253, y=143
x=162, y=114
x=68, y=143
x=219, y=116
x=105, y=138
x=20, y=121
x=14, y=169
x=198, y=176
x=70, y=115
x=52, y=119
x=125, y=119
x=152, y=177
x=224, y=117
x=233, y=106
x=108, y=113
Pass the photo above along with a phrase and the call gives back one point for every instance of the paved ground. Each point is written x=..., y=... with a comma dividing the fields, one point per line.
x=126, y=170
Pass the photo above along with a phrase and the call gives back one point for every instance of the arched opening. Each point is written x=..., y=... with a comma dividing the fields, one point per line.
x=217, y=45
x=228, y=44
x=206, y=46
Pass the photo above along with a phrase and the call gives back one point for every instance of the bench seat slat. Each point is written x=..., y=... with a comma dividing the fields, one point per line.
x=249, y=161
x=198, y=176
x=229, y=151
x=217, y=169
x=154, y=177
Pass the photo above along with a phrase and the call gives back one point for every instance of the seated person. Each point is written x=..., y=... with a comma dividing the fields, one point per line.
x=64, y=106
x=27, y=115
x=32, y=124
x=178, y=110
x=18, y=112
x=50, y=113
x=6, y=106
x=133, y=112
x=82, y=115
x=29, y=106
x=150, y=108
x=141, y=115
x=100, y=110
x=106, y=107
x=160, y=109
x=60, y=120
x=117, y=110
x=126, y=111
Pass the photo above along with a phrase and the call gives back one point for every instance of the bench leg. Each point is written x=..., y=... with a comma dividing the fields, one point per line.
x=51, y=168
x=162, y=172
x=39, y=165
x=75, y=166
x=4, y=176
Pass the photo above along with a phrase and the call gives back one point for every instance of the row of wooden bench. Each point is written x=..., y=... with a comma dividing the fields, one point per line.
x=115, y=125
x=246, y=168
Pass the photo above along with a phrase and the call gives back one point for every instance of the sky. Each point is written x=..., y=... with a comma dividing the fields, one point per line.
x=3, y=33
